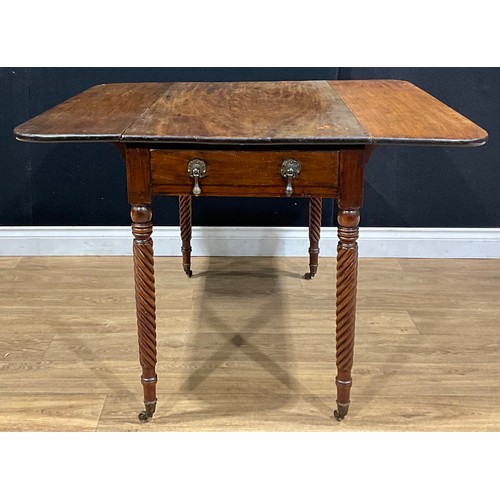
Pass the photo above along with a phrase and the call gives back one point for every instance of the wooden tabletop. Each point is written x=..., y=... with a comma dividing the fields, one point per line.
x=298, y=112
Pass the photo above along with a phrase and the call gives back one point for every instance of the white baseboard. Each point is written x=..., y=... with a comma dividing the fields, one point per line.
x=252, y=241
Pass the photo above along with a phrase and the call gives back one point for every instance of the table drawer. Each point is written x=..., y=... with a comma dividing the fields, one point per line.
x=245, y=173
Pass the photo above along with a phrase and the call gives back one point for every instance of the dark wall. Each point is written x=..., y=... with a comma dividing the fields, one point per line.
x=72, y=184
x=434, y=186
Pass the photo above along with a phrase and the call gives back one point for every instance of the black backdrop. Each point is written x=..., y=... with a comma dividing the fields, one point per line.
x=72, y=184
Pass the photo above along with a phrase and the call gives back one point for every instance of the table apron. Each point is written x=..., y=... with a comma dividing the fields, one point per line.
x=245, y=173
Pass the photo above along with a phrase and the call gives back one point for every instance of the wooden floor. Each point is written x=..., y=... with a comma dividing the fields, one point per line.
x=246, y=345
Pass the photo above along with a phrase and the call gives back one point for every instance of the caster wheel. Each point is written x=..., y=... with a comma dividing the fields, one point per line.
x=308, y=276
x=338, y=416
x=189, y=273
x=341, y=411
x=143, y=416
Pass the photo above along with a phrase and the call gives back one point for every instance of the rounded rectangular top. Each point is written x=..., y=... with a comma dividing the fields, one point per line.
x=239, y=113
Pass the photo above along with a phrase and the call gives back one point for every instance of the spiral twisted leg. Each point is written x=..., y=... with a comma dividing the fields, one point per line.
x=347, y=269
x=315, y=205
x=185, y=220
x=142, y=229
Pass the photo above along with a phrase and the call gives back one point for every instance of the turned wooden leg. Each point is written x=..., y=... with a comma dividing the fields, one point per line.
x=186, y=223
x=142, y=228
x=347, y=271
x=315, y=205
x=350, y=200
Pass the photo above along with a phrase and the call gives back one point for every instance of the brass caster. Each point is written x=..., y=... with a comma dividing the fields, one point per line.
x=187, y=270
x=336, y=414
x=189, y=273
x=309, y=276
x=143, y=416
x=341, y=411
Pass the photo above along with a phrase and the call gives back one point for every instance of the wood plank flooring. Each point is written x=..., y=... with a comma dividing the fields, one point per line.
x=247, y=345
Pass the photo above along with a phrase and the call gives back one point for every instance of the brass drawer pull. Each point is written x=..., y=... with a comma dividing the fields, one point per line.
x=290, y=169
x=197, y=169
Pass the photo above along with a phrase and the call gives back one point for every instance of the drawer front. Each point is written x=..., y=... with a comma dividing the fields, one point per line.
x=245, y=173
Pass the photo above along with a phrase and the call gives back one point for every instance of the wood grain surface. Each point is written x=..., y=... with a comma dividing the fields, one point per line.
x=394, y=111
x=101, y=113
x=247, y=344
x=303, y=113
x=247, y=112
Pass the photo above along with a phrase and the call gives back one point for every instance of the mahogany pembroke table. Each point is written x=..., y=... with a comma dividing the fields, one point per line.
x=264, y=139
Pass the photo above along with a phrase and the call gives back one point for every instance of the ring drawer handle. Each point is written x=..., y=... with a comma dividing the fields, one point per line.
x=290, y=169
x=197, y=169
